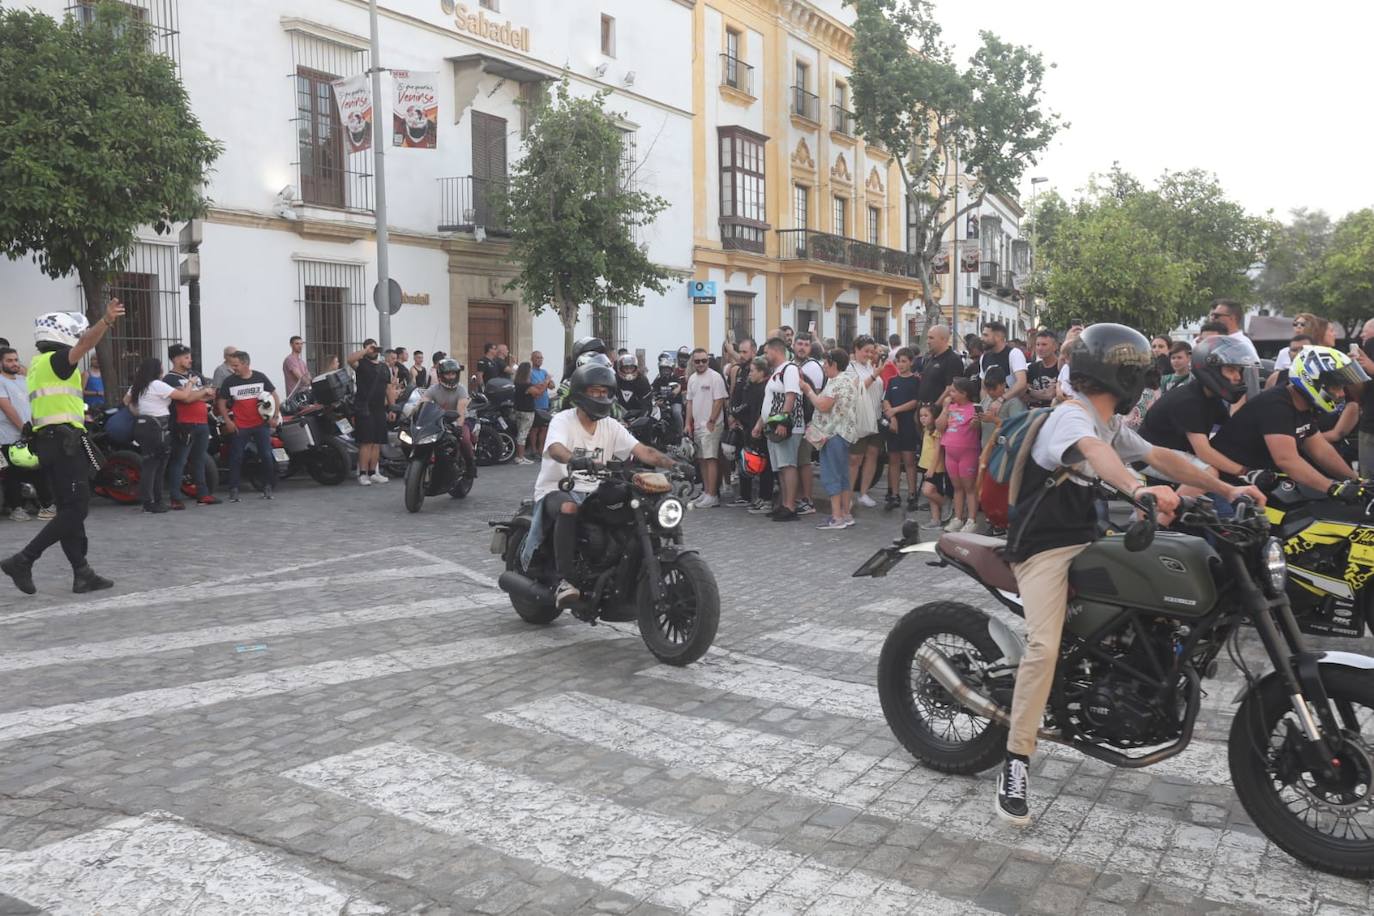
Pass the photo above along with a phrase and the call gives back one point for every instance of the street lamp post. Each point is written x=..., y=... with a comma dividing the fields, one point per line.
x=379, y=140
x=1035, y=234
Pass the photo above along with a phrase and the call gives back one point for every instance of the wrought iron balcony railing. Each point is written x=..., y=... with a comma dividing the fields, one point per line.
x=842, y=120
x=468, y=202
x=736, y=74
x=806, y=104
x=810, y=245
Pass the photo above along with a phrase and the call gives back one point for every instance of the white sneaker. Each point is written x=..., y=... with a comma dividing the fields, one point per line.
x=47, y=512
x=868, y=502
x=364, y=480
x=954, y=524
x=971, y=526
x=707, y=501
x=379, y=477
x=19, y=515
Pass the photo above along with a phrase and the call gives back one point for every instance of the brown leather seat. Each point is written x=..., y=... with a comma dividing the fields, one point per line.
x=983, y=555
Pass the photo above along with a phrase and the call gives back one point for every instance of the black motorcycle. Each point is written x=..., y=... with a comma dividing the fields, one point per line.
x=631, y=561
x=1148, y=617
x=493, y=410
x=435, y=460
x=318, y=434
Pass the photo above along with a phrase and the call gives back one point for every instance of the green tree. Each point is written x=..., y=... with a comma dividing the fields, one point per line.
x=1339, y=285
x=911, y=99
x=98, y=139
x=572, y=209
x=1300, y=242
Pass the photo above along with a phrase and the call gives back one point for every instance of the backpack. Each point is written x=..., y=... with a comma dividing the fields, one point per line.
x=1003, y=463
x=809, y=409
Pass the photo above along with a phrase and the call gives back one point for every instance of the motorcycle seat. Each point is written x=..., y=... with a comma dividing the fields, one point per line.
x=983, y=555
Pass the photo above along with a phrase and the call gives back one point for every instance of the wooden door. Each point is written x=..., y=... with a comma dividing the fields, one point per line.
x=488, y=162
x=487, y=323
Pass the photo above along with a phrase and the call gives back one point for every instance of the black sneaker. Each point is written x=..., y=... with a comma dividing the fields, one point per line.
x=154, y=508
x=892, y=502
x=86, y=579
x=1013, y=784
x=234, y=495
x=784, y=514
x=20, y=569
x=912, y=504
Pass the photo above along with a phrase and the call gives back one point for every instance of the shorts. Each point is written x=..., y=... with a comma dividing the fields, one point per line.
x=961, y=461
x=864, y=444
x=903, y=440
x=806, y=452
x=708, y=443
x=369, y=428
x=835, y=466
x=524, y=422
x=784, y=454
x=941, y=482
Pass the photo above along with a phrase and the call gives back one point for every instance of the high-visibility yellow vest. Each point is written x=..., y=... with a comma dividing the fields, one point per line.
x=54, y=400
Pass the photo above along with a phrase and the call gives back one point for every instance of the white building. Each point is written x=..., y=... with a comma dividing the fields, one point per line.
x=989, y=242
x=289, y=245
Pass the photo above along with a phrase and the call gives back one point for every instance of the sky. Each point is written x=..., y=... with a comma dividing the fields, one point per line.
x=1272, y=96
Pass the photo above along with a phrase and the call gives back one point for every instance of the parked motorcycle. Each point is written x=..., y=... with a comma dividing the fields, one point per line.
x=118, y=477
x=317, y=431
x=493, y=410
x=436, y=463
x=1148, y=617
x=254, y=469
x=631, y=561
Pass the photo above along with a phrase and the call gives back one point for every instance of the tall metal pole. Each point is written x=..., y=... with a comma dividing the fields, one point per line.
x=380, y=116
x=958, y=268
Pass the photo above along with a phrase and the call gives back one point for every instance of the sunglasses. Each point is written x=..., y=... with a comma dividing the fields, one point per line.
x=700, y=362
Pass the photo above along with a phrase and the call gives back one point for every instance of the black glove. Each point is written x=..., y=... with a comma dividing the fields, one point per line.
x=1263, y=480
x=582, y=464
x=1346, y=491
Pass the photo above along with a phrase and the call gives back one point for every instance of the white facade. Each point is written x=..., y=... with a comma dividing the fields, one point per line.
x=992, y=291
x=287, y=251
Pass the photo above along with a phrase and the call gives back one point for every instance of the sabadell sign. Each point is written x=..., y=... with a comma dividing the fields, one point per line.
x=477, y=23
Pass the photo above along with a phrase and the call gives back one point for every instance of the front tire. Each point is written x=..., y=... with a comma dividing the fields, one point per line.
x=680, y=633
x=505, y=451
x=416, y=472
x=1332, y=828
x=922, y=715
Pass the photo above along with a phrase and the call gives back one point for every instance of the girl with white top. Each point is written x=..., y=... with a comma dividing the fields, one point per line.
x=151, y=399
x=863, y=452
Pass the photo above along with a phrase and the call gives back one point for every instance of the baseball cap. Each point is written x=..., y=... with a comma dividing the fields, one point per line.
x=176, y=350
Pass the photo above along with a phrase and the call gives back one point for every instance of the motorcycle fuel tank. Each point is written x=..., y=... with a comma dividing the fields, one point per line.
x=1173, y=575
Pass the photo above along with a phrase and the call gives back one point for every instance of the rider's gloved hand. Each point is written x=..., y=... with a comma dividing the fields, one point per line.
x=582, y=464
x=1263, y=479
x=1346, y=491
x=686, y=469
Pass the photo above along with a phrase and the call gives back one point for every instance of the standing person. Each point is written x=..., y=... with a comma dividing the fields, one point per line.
x=1280, y=376
x=784, y=422
x=894, y=342
x=746, y=348
x=524, y=410
x=94, y=391
x=1011, y=360
x=190, y=429
x=14, y=413
x=1230, y=314
x=863, y=452
x=887, y=365
x=936, y=485
x=294, y=370
x=539, y=377
x=808, y=352
x=487, y=366
x=833, y=425
x=1159, y=347
x=746, y=405
x=505, y=366
x=1180, y=364
x=403, y=376
x=1305, y=324
x=960, y=437
x=224, y=369
x=238, y=404
x=903, y=438
x=418, y=373
x=706, y=403
x=1064, y=387
x=151, y=399
x=59, y=440
x=1042, y=376
x=369, y=408
x=942, y=366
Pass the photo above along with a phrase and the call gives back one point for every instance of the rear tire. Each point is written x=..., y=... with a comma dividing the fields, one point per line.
x=529, y=611
x=118, y=479
x=329, y=464
x=506, y=450
x=909, y=696
x=683, y=632
x=415, y=484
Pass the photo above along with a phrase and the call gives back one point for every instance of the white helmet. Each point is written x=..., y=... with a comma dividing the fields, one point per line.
x=267, y=405
x=64, y=328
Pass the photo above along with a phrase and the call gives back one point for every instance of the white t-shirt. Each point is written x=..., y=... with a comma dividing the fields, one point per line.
x=1065, y=389
x=1017, y=360
x=1240, y=335
x=610, y=441
x=814, y=373
x=703, y=390
x=1284, y=360
x=16, y=390
x=1056, y=444
x=785, y=380
x=156, y=399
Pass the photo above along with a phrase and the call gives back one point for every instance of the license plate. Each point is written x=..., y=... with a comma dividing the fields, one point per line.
x=279, y=455
x=498, y=542
x=345, y=428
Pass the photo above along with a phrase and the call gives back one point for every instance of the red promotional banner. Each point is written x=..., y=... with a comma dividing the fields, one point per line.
x=354, y=98
x=415, y=109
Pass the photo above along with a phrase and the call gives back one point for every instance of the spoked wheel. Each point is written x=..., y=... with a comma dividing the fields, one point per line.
x=923, y=715
x=118, y=479
x=1326, y=821
x=504, y=448
x=683, y=629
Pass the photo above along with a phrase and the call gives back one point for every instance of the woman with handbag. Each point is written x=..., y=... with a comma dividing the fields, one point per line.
x=833, y=429
x=150, y=398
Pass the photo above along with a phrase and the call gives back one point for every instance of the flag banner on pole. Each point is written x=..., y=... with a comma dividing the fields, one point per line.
x=940, y=263
x=354, y=98
x=969, y=261
x=415, y=109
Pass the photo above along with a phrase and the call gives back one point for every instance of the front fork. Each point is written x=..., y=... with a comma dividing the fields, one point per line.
x=652, y=568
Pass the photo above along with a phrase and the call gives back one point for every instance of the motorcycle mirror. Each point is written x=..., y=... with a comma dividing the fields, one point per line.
x=911, y=529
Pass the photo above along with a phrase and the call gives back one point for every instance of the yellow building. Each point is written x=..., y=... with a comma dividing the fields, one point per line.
x=797, y=220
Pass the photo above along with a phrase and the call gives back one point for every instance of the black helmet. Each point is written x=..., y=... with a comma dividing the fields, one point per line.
x=1114, y=358
x=588, y=345
x=590, y=375
x=1210, y=355
x=448, y=372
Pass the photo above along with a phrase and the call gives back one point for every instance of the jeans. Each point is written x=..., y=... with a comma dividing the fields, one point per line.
x=189, y=442
x=835, y=466
x=262, y=441
x=64, y=460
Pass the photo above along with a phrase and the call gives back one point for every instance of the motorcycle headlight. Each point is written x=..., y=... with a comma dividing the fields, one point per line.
x=404, y=437
x=1275, y=567
x=670, y=513
x=428, y=440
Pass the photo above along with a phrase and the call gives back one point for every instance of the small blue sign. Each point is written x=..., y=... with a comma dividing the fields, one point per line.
x=703, y=292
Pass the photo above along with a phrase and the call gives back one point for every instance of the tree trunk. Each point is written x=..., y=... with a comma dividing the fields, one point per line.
x=567, y=313
x=93, y=290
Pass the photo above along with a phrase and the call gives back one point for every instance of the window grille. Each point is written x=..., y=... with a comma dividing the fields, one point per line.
x=329, y=175
x=150, y=288
x=162, y=17
x=805, y=319
x=743, y=217
x=739, y=314
x=846, y=325
x=331, y=309
x=611, y=324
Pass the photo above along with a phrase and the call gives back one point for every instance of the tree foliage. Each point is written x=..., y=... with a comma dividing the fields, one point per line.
x=98, y=139
x=1339, y=283
x=573, y=208
x=914, y=101
x=1300, y=242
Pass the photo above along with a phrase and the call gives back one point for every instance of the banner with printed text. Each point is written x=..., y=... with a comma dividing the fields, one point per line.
x=415, y=109
x=354, y=98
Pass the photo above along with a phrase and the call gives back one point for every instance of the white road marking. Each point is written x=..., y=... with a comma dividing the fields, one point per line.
x=135, y=646
x=652, y=858
x=480, y=578
x=155, y=863
x=1197, y=858
x=47, y=719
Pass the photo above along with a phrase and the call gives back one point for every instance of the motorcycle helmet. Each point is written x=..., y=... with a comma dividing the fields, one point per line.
x=1215, y=353
x=588, y=345
x=22, y=457
x=684, y=356
x=728, y=451
x=1315, y=370
x=599, y=359
x=589, y=376
x=1113, y=358
x=267, y=405
x=59, y=329
x=755, y=462
x=627, y=363
x=449, y=371
x=667, y=362
x=778, y=427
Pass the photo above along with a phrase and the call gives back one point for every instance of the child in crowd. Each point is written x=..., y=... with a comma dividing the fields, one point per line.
x=903, y=436
x=960, y=438
x=937, y=486
x=995, y=405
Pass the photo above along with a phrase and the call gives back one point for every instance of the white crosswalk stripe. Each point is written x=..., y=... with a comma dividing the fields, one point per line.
x=156, y=864
x=650, y=857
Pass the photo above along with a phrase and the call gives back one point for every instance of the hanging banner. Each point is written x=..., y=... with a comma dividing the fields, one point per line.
x=415, y=109
x=940, y=263
x=969, y=262
x=354, y=98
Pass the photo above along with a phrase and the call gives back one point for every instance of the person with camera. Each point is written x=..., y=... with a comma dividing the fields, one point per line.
x=375, y=389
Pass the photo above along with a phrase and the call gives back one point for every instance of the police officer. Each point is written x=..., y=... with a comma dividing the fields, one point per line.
x=59, y=440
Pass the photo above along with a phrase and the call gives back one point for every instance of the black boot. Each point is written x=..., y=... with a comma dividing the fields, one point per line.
x=20, y=569
x=85, y=579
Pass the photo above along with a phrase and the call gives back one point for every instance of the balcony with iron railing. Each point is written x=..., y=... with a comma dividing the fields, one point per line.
x=466, y=203
x=811, y=245
x=842, y=120
x=987, y=273
x=806, y=104
x=736, y=74
x=1006, y=283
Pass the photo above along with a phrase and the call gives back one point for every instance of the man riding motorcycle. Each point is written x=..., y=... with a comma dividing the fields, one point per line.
x=634, y=389
x=578, y=440
x=451, y=395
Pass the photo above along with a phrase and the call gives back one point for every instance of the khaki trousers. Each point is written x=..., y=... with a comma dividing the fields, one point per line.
x=1044, y=583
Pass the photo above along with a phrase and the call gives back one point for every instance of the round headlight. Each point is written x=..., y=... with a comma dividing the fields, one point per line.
x=670, y=513
x=1275, y=567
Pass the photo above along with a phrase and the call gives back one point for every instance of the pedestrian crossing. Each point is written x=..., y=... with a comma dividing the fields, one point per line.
x=793, y=733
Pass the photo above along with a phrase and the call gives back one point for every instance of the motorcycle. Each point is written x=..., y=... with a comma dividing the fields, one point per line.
x=119, y=474
x=254, y=470
x=631, y=562
x=1148, y=616
x=435, y=462
x=493, y=410
x=317, y=433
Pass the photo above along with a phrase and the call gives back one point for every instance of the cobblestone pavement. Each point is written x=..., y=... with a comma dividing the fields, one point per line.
x=321, y=704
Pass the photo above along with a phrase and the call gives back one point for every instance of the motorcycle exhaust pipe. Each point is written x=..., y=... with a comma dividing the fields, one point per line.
x=935, y=663
x=512, y=583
